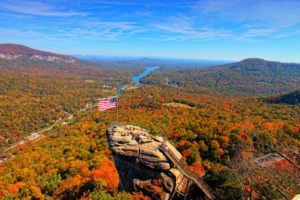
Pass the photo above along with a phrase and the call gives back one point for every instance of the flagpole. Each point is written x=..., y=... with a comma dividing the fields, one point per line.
x=118, y=108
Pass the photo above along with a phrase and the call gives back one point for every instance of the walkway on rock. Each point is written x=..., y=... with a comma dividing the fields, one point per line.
x=194, y=177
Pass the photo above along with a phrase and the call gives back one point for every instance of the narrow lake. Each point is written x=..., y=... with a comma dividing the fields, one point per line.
x=137, y=78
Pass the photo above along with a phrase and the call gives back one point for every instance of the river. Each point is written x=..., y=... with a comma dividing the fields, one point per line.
x=137, y=78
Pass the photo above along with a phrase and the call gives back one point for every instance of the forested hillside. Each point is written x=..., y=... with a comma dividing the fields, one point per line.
x=292, y=98
x=35, y=94
x=248, y=77
x=74, y=161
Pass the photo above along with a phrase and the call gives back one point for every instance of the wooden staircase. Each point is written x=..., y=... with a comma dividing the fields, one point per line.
x=198, y=180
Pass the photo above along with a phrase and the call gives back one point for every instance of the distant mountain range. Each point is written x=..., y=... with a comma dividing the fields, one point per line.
x=247, y=77
x=14, y=51
x=258, y=77
x=253, y=65
x=150, y=61
x=26, y=55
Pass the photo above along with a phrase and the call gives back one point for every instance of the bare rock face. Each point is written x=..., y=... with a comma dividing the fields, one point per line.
x=141, y=164
x=14, y=51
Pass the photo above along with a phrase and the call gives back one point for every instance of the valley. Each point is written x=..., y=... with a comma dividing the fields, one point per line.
x=150, y=100
x=250, y=77
x=218, y=118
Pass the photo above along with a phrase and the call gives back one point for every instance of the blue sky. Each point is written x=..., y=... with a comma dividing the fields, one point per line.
x=202, y=29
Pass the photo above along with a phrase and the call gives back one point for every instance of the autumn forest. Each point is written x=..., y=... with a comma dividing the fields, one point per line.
x=220, y=121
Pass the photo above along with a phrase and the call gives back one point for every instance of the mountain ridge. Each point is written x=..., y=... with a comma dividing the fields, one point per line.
x=254, y=77
x=255, y=62
x=292, y=98
x=10, y=51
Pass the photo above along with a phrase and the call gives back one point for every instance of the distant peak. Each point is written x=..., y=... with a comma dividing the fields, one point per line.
x=254, y=60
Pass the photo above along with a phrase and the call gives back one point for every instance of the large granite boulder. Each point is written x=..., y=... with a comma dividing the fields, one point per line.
x=140, y=162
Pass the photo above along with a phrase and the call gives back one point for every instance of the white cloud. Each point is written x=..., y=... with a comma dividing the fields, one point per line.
x=262, y=32
x=273, y=12
x=37, y=8
x=27, y=37
x=186, y=29
x=149, y=3
x=286, y=34
x=243, y=20
x=105, y=30
x=240, y=20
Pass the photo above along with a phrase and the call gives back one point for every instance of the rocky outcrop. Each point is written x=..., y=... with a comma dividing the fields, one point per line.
x=140, y=162
x=13, y=51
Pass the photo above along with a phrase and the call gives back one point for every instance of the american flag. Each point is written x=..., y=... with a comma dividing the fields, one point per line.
x=107, y=103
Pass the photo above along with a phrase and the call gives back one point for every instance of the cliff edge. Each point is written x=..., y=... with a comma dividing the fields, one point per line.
x=144, y=165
